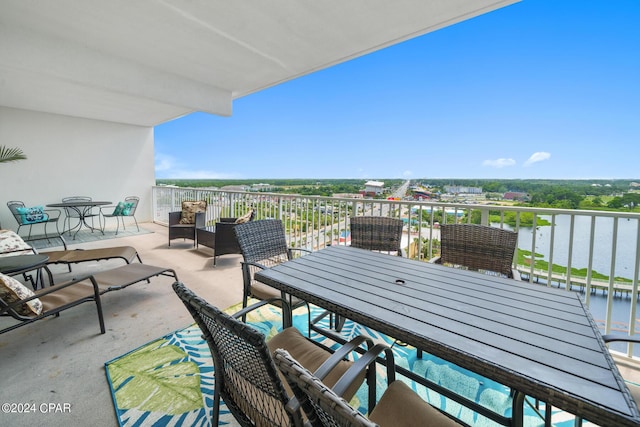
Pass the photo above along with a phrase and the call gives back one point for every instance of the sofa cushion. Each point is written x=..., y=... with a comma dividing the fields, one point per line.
x=11, y=291
x=189, y=210
x=32, y=215
x=245, y=218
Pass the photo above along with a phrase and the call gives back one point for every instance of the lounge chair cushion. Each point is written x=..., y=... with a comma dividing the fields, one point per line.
x=32, y=215
x=11, y=291
x=189, y=209
x=244, y=218
x=12, y=244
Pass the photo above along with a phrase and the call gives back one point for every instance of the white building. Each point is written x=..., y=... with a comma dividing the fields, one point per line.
x=374, y=187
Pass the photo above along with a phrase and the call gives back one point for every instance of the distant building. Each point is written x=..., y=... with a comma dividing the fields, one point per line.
x=261, y=187
x=348, y=195
x=514, y=195
x=235, y=188
x=373, y=188
x=461, y=189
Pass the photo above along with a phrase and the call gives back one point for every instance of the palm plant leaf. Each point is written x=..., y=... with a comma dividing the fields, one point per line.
x=11, y=154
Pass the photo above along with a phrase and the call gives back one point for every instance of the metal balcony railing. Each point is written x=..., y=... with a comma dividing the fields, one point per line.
x=594, y=252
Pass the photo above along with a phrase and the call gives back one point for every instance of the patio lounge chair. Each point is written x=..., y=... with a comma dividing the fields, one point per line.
x=226, y=241
x=399, y=405
x=36, y=215
x=245, y=375
x=52, y=300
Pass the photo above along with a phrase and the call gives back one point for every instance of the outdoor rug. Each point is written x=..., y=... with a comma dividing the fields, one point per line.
x=86, y=236
x=170, y=381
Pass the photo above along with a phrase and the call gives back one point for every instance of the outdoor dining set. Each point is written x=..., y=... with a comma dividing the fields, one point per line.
x=467, y=306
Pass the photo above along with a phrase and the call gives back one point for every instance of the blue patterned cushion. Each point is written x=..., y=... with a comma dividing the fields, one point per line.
x=32, y=215
x=126, y=210
x=118, y=210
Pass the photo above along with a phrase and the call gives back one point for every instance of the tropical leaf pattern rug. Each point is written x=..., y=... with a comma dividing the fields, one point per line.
x=170, y=381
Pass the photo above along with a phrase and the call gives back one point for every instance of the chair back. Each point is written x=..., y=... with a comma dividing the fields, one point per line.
x=73, y=213
x=133, y=200
x=322, y=406
x=13, y=206
x=263, y=241
x=376, y=233
x=245, y=375
x=478, y=247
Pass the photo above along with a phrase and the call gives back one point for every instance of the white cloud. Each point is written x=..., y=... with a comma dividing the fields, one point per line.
x=164, y=162
x=537, y=157
x=499, y=163
x=407, y=174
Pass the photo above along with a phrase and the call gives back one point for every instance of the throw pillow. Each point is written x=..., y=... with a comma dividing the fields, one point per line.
x=11, y=291
x=245, y=218
x=32, y=215
x=118, y=209
x=126, y=210
x=189, y=210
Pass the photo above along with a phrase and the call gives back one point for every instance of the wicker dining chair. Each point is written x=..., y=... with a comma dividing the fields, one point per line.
x=246, y=377
x=478, y=247
x=399, y=405
x=263, y=244
x=377, y=233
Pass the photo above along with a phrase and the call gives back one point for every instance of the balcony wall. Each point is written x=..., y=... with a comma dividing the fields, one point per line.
x=593, y=241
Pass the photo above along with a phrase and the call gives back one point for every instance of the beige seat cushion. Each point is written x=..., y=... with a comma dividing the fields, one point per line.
x=311, y=357
x=244, y=218
x=262, y=291
x=400, y=406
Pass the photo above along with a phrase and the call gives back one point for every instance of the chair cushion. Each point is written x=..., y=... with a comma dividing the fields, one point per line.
x=11, y=291
x=32, y=215
x=189, y=209
x=401, y=406
x=311, y=356
x=12, y=244
x=118, y=209
x=244, y=218
x=126, y=210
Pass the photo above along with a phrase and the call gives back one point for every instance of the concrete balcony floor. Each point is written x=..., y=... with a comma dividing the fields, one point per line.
x=61, y=359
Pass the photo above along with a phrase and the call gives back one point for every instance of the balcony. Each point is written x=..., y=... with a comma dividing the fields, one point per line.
x=61, y=360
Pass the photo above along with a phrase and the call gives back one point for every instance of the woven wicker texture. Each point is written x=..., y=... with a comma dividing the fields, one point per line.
x=246, y=377
x=478, y=247
x=376, y=233
x=263, y=245
x=320, y=404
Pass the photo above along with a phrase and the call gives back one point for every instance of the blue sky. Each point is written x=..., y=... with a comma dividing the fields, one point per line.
x=545, y=89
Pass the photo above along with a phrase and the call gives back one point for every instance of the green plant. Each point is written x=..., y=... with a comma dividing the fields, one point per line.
x=11, y=154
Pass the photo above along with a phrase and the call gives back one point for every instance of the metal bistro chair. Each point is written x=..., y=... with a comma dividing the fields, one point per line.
x=263, y=245
x=74, y=213
x=399, y=405
x=42, y=216
x=120, y=211
x=479, y=248
x=377, y=233
x=245, y=375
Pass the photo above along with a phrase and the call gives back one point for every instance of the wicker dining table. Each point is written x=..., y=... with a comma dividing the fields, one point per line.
x=541, y=342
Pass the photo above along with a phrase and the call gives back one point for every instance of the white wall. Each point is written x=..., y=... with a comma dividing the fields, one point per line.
x=68, y=156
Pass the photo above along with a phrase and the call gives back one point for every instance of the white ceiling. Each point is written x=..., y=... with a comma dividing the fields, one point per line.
x=145, y=62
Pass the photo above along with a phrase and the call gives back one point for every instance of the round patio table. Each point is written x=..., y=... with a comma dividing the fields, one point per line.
x=83, y=208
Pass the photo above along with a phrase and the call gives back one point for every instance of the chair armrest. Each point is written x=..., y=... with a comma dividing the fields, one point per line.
x=620, y=337
x=54, y=214
x=362, y=364
x=290, y=251
x=227, y=220
x=200, y=219
x=286, y=309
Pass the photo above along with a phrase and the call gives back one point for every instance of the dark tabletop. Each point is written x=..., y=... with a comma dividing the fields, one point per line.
x=538, y=340
x=17, y=263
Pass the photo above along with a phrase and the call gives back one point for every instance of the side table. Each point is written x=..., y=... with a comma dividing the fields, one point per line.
x=17, y=264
